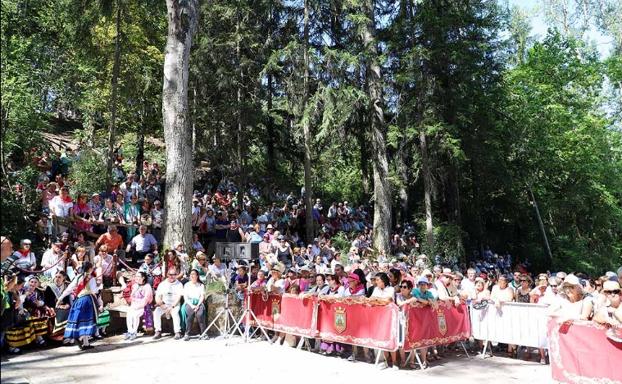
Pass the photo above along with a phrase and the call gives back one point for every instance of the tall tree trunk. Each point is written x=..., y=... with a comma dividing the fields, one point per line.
x=402, y=171
x=427, y=187
x=310, y=232
x=363, y=153
x=182, y=22
x=113, y=100
x=270, y=127
x=382, y=188
x=194, y=120
x=545, y=239
x=270, y=123
x=239, y=122
x=140, y=145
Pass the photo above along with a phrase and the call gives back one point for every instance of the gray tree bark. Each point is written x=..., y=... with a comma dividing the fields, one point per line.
x=427, y=187
x=309, y=228
x=182, y=23
x=113, y=100
x=382, y=188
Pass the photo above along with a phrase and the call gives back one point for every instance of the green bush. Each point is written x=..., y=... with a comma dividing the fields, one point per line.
x=88, y=173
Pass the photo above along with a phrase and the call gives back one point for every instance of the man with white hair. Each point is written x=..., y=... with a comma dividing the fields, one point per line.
x=7, y=248
x=468, y=284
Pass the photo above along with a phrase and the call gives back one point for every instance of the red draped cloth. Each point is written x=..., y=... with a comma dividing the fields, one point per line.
x=352, y=321
x=296, y=315
x=426, y=326
x=581, y=352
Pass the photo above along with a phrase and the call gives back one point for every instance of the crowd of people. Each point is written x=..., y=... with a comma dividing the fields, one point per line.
x=98, y=240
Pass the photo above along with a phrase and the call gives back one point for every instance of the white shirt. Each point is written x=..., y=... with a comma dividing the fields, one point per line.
x=143, y=243
x=386, y=293
x=193, y=291
x=170, y=292
x=48, y=259
x=217, y=271
x=59, y=207
x=467, y=285
x=279, y=284
x=25, y=262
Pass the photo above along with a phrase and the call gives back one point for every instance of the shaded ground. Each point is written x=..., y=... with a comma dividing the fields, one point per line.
x=169, y=361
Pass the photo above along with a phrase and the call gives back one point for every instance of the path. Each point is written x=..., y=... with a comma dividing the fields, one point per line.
x=169, y=361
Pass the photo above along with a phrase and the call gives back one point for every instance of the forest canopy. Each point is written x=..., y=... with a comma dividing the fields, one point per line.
x=496, y=138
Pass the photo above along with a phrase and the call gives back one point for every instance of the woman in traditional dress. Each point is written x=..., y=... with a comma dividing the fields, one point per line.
x=38, y=312
x=82, y=320
x=52, y=293
x=18, y=333
x=140, y=306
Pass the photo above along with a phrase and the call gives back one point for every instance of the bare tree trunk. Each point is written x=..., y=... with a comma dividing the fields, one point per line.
x=382, y=188
x=194, y=120
x=541, y=225
x=113, y=100
x=427, y=187
x=240, y=124
x=310, y=232
x=182, y=22
x=402, y=171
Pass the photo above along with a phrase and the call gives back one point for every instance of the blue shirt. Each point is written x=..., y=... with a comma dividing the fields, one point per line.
x=420, y=295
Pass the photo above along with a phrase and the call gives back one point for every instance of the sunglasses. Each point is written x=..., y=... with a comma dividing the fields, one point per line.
x=614, y=292
x=171, y=274
x=404, y=286
x=553, y=285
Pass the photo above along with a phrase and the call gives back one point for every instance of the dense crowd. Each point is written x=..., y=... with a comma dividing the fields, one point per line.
x=100, y=240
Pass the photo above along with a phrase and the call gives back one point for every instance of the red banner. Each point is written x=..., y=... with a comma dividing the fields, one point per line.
x=265, y=307
x=352, y=321
x=296, y=316
x=427, y=326
x=581, y=352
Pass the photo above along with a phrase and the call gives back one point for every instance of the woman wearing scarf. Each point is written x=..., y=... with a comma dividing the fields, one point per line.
x=82, y=214
x=82, y=320
x=355, y=287
x=51, y=296
x=335, y=289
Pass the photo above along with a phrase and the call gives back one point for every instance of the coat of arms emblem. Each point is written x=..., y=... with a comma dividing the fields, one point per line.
x=340, y=319
x=276, y=310
x=442, y=322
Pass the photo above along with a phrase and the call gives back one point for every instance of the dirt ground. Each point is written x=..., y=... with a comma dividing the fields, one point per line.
x=170, y=361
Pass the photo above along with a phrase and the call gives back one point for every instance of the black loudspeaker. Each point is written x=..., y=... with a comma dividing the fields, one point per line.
x=237, y=251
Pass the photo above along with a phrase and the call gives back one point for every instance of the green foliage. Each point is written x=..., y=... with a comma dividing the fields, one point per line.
x=448, y=242
x=87, y=173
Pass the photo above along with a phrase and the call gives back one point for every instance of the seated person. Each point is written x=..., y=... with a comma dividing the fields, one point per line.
x=194, y=303
x=168, y=298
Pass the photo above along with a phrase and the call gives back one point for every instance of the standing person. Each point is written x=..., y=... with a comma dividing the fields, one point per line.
x=335, y=289
x=503, y=293
x=383, y=289
x=423, y=296
x=194, y=298
x=131, y=213
x=82, y=319
x=52, y=295
x=140, y=305
x=523, y=292
x=157, y=219
x=168, y=297
x=284, y=252
x=60, y=206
